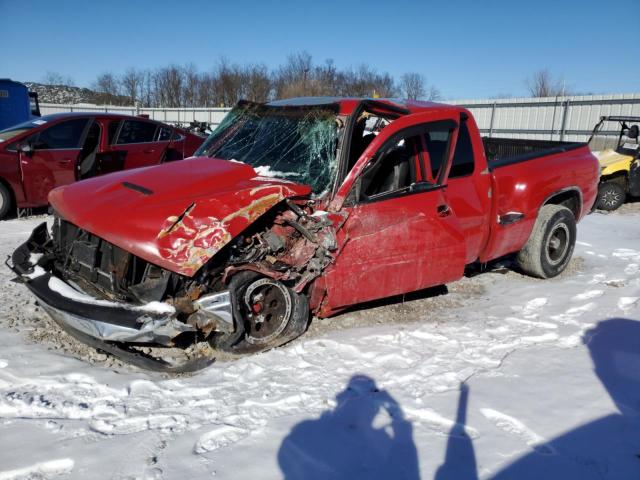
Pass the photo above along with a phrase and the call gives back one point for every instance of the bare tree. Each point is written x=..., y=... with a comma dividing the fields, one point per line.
x=412, y=85
x=257, y=82
x=228, y=83
x=191, y=85
x=131, y=83
x=293, y=79
x=108, y=88
x=168, y=83
x=434, y=94
x=542, y=84
x=180, y=86
x=54, y=78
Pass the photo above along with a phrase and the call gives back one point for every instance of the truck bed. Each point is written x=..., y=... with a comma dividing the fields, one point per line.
x=507, y=151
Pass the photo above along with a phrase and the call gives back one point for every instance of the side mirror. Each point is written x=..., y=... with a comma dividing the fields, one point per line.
x=26, y=148
x=633, y=132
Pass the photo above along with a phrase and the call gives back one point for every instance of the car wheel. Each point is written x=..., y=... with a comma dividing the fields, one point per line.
x=267, y=314
x=550, y=246
x=5, y=201
x=611, y=196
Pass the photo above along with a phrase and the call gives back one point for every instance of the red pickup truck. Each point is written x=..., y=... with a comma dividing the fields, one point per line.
x=296, y=207
x=54, y=150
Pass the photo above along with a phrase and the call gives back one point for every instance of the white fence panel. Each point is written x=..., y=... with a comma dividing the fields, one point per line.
x=553, y=118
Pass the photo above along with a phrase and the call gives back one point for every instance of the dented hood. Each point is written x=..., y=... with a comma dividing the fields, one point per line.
x=177, y=215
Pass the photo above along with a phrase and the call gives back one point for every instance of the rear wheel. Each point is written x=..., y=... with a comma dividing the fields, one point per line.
x=267, y=314
x=5, y=201
x=611, y=195
x=550, y=246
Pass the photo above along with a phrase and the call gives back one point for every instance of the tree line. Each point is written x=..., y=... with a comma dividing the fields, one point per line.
x=185, y=86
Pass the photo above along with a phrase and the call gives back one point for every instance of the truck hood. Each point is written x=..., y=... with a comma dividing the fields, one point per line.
x=176, y=215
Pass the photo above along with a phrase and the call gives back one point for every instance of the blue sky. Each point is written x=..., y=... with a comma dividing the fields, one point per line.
x=467, y=49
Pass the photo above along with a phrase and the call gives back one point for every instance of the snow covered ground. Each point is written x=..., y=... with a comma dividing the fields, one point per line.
x=505, y=376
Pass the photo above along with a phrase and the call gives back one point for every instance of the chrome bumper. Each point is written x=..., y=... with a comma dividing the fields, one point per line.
x=111, y=321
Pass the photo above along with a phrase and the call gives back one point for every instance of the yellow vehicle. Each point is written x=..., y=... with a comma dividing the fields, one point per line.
x=619, y=154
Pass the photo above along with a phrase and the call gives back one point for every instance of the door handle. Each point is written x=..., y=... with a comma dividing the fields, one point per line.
x=443, y=210
x=148, y=151
x=64, y=161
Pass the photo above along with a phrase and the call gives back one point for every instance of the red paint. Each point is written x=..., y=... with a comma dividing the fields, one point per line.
x=226, y=198
x=32, y=177
x=387, y=247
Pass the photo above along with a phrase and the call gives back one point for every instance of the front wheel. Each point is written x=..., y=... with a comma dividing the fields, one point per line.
x=550, y=246
x=267, y=314
x=5, y=201
x=610, y=195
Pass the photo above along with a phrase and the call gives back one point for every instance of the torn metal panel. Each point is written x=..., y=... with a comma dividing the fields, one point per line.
x=190, y=240
x=198, y=206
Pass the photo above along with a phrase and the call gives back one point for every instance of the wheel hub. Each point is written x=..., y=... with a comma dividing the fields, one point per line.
x=268, y=306
x=558, y=243
x=610, y=197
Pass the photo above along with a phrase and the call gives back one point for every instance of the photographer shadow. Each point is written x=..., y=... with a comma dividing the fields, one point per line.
x=607, y=447
x=365, y=436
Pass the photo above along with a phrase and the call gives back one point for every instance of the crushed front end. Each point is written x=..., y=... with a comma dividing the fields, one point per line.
x=113, y=299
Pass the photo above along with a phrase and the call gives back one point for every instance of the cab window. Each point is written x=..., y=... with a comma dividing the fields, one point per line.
x=392, y=170
x=415, y=155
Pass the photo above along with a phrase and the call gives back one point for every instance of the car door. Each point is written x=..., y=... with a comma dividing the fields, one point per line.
x=401, y=234
x=52, y=161
x=140, y=142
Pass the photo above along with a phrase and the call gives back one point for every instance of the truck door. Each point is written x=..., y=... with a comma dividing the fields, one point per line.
x=52, y=162
x=401, y=234
x=139, y=139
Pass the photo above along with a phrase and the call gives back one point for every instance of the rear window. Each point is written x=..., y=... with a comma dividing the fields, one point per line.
x=112, y=130
x=134, y=131
x=463, y=162
x=164, y=134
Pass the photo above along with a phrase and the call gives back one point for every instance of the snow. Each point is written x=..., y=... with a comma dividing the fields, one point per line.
x=64, y=289
x=522, y=378
x=265, y=171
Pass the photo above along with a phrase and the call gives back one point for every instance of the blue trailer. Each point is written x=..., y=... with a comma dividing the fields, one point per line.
x=17, y=103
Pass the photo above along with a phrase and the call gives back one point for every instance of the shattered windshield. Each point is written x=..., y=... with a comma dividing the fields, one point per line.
x=291, y=143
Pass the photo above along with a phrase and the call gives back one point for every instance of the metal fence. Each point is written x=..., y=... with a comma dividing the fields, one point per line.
x=553, y=118
x=182, y=116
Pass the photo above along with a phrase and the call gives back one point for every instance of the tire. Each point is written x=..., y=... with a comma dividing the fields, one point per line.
x=611, y=195
x=285, y=318
x=550, y=246
x=6, y=201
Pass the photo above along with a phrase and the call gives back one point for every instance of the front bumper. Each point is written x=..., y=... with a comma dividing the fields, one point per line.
x=105, y=320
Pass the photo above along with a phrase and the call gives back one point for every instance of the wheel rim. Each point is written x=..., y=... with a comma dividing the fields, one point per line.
x=611, y=197
x=268, y=309
x=558, y=244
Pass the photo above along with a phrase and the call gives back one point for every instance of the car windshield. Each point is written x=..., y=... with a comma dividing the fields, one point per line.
x=616, y=134
x=291, y=143
x=12, y=132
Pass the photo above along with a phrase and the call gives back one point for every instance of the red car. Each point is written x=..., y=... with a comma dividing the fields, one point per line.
x=54, y=150
x=298, y=207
